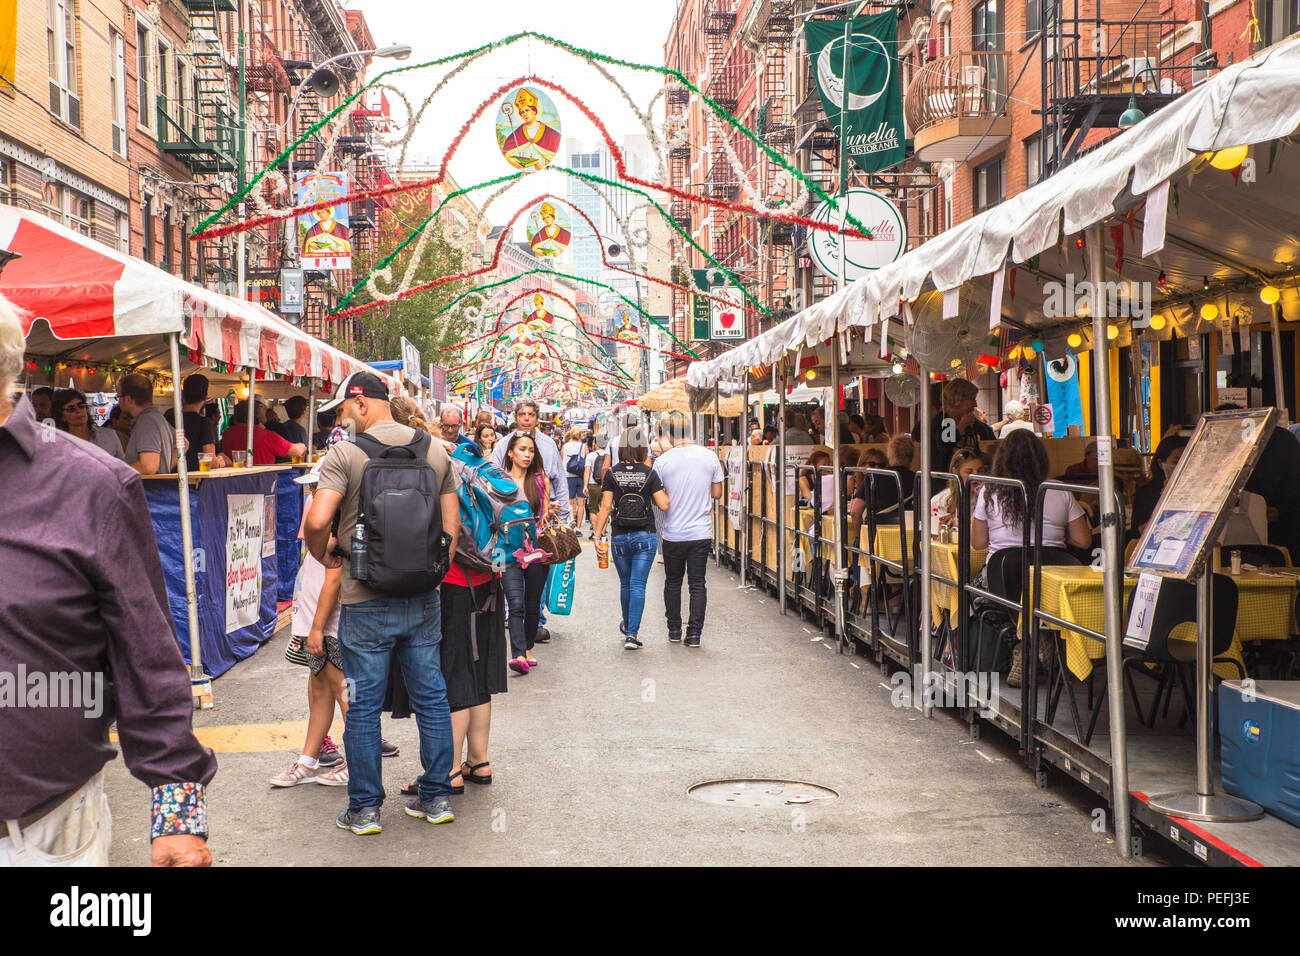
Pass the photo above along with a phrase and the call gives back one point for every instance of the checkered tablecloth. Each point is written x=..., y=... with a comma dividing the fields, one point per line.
x=1265, y=611
x=943, y=558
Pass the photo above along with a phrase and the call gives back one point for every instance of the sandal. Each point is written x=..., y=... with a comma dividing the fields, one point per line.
x=469, y=773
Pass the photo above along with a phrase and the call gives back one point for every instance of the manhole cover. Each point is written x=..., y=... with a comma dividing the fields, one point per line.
x=763, y=794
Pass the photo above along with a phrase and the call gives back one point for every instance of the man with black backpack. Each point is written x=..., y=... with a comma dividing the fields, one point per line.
x=386, y=503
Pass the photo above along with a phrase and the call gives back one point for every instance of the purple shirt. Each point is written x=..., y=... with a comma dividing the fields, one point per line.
x=81, y=593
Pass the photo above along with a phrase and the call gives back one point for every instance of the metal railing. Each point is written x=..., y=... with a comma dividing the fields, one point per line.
x=962, y=85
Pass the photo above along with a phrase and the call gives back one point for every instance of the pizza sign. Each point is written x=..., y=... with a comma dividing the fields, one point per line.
x=726, y=312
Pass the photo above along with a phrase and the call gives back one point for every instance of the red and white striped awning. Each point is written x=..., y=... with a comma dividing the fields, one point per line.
x=84, y=290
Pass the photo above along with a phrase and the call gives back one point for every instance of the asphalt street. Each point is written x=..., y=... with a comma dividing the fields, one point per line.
x=594, y=751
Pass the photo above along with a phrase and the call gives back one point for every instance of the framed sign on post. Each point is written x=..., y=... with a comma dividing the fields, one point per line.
x=1195, y=503
x=727, y=317
x=410, y=363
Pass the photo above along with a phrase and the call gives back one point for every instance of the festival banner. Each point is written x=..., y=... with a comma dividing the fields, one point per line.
x=872, y=129
x=323, y=235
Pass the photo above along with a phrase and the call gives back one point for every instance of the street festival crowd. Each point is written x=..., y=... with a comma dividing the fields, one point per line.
x=433, y=552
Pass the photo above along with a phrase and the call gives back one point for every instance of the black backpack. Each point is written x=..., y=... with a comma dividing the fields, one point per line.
x=598, y=467
x=400, y=510
x=631, y=507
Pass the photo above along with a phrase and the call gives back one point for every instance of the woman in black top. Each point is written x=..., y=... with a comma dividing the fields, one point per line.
x=627, y=491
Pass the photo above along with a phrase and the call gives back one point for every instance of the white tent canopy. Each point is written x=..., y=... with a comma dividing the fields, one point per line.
x=1217, y=229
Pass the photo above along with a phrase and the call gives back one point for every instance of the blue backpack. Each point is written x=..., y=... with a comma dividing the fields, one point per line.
x=494, y=513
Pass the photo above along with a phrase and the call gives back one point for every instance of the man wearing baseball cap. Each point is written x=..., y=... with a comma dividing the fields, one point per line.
x=374, y=626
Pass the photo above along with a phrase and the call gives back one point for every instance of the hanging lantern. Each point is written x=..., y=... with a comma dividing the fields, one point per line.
x=1157, y=322
x=1074, y=340
x=1270, y=294
x=1209, y=311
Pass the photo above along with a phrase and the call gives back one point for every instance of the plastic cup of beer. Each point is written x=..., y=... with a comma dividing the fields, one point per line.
x=205, y=461
x=240, y=459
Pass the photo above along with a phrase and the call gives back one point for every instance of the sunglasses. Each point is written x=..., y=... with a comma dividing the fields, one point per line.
x=74, y=408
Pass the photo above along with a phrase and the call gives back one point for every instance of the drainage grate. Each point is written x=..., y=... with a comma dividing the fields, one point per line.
x=759, y=793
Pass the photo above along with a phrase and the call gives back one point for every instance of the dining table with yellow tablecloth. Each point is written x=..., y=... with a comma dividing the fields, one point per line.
x=943, y=563
x=1265, y=611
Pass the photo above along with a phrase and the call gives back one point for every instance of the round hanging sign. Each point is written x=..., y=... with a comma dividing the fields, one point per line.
x=528, y=128
x=883, y=220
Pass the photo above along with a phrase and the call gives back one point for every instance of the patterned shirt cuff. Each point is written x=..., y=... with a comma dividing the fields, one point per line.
x=179, y=808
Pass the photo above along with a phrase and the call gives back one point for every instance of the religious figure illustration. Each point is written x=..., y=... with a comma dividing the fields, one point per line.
x=540, y=318
x=327, y=236
x=552, y=238
x=627, y=332
x=531, y=143
x=326, y=239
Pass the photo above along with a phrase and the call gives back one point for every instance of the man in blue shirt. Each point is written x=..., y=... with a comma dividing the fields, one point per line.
x=449, y=426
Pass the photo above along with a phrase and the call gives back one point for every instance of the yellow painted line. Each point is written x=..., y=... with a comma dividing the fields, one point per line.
x=256, y=738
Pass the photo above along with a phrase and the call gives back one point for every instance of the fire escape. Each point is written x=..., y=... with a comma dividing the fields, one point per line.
x=774, y=29
x=200, y=129
x=1091, y=67
x=721, y=87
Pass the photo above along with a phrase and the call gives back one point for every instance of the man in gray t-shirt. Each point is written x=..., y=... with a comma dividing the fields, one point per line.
x=152, y=447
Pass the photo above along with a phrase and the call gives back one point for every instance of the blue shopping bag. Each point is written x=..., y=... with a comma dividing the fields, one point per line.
x=559, y=587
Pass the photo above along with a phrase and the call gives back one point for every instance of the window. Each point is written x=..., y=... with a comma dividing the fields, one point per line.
x=987, y=25
x=143, y=42
x=181, y=110
x=1281, y=19
x=1033, y=160
x=988, y=184
x=80, y=213
x=61, y=41
x=167, y=238
x=1033, y=18
x=117, y=89
x=122, y=228
x=185, y=248
x=8, y=182
x=164, y=91
x=146, y=225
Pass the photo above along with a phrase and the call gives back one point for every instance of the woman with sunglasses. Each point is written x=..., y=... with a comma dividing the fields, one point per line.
x=71, y=414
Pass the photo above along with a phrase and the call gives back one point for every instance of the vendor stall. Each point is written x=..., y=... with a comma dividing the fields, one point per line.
x=93, y=314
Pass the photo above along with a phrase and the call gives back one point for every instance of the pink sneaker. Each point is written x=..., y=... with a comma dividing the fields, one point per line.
x=329, y=755
x=519, y=665
x=300, y=773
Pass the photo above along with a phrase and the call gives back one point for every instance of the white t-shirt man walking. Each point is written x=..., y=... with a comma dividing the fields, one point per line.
x=693, y=478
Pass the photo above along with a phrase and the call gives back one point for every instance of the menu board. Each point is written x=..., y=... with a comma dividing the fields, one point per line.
x=1196, y=500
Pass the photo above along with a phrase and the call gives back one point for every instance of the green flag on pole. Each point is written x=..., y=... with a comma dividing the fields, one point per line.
x=874, y=137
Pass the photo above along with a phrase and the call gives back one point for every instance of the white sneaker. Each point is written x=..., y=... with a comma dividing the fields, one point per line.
x=299, y=772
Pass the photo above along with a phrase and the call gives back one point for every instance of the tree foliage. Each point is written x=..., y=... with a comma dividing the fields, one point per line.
x=378, y=333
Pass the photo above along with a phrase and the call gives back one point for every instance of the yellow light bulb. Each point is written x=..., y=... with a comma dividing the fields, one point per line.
x=1209, y=311
x=1074, y=340
x=1228, y=159
x=1112, y=332
x=1157, y=322
x=812, y=373
x=1270, y=294
x=243, y=391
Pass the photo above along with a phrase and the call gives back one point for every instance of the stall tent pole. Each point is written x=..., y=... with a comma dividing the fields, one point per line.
x=744, y=487
x=780, y=482
x=187, y=530
x=1279, y=390
x=311, y=417
x=252, y=415
x=1110, y=548
x=717, y=447
x=921, y=511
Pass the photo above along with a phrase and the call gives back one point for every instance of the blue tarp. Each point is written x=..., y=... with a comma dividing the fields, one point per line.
x=209, y=519
x=288, y=516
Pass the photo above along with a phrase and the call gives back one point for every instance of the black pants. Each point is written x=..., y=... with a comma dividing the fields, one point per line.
x=685, y=559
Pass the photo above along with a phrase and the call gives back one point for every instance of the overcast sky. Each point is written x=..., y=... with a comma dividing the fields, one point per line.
x=634, y=32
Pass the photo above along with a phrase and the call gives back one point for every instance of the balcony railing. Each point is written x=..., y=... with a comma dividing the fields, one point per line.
x=206, y=144
x=966, y=85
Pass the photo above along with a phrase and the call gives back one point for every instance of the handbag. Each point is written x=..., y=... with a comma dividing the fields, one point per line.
x=559, y=588
x=555, y=538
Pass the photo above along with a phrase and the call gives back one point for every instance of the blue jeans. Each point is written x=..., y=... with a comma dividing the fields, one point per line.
x=524, y=590
x=634, y=556
x=369, y=633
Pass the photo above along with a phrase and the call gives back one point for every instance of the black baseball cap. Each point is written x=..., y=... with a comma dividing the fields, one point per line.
x=356, y=384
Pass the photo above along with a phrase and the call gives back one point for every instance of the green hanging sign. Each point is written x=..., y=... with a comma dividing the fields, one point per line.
x=872, y=132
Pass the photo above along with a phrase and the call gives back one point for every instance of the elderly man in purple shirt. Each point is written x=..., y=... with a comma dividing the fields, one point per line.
x=86, y=638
